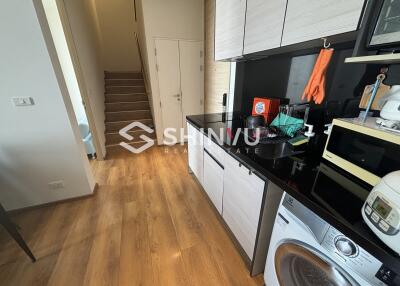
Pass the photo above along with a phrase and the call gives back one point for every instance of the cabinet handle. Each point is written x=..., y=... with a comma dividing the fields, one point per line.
x=250, y=172
x=212, y=157
x=240, y=165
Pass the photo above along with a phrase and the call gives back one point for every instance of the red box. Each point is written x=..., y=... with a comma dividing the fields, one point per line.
x=268, y=107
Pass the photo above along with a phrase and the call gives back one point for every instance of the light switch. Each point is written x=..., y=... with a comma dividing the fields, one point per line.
x=23, y=101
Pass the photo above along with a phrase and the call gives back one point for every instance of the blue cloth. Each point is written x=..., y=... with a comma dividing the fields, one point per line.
x=287, y=124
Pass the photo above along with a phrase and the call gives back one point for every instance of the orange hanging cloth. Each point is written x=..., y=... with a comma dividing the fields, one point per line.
x=315, y=89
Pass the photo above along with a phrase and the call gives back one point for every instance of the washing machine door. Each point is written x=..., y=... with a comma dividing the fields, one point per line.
x=297, y=264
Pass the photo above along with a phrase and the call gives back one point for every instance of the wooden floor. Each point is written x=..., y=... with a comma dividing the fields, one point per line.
x=148, y=224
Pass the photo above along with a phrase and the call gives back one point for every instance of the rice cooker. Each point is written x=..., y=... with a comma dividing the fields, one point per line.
x=381, y=211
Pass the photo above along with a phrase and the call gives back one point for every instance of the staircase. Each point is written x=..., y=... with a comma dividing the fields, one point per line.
x=126, y=101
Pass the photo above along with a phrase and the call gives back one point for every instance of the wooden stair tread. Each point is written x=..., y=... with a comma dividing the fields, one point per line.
x=130, y=121
x=123, y=75
x=127, y=106
x=131, y=116
x=126, y=101
x=124, y=82
x=132, y=93
x=114, y=98
x=117, y=132
x=110, y=86
x=118, y=125
x=125, y=89
x=139, y=110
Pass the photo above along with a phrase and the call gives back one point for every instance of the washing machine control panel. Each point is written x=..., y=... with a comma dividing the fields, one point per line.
x=345, y=252
x=346, y=247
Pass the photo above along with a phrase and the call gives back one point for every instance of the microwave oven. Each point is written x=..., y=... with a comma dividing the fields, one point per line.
x=363, y=149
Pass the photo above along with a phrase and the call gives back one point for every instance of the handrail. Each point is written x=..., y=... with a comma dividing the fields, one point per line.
x=142, y=62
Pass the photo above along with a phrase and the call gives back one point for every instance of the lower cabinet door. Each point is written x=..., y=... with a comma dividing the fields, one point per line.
x=242, y=197
x=195, y=152
x=213, y=180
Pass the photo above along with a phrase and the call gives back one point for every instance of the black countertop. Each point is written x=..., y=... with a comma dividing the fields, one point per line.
x=334, y=195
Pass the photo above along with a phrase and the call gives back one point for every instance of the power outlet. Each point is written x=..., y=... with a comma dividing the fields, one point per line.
x=56, y=185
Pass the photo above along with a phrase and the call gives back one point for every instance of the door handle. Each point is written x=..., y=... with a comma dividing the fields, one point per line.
x=177, y=95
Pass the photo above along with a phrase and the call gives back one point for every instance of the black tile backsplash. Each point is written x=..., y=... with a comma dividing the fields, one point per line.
x=285, y=76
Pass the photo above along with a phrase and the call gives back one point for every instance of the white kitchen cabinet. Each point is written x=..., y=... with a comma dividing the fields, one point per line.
x=214, y=149
x=195, y=152
x=312, y=19
x=230, y=17
x=264, y=25
x=242, y=200
x=213, y=180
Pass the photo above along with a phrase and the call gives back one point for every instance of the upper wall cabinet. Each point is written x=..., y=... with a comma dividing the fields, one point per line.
x=264, y=25
x=312, y=19
x=230, y=16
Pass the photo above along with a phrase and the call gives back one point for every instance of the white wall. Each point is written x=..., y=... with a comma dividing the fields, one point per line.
x=143, y=48
x=176, y=19
x=117, y=25
x=64, y=57
x=94, y=16
x=83, y=30
x=38, y=144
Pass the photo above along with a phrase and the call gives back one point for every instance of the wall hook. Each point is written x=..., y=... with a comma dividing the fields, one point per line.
x=326, y=44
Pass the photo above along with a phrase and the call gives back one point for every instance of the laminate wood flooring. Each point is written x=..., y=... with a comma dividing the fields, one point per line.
x=149, y=223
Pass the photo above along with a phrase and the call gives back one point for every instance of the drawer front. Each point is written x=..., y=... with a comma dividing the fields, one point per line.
x=242, y=199
x=216, y=151
x=213, y=181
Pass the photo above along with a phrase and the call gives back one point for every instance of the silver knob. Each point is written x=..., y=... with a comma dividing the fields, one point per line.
x=346, y=247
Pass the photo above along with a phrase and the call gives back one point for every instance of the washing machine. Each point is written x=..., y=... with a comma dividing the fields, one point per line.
x=306, y=251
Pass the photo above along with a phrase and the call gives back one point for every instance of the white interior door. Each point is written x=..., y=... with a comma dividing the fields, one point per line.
x=192, y=78
x=169, y=84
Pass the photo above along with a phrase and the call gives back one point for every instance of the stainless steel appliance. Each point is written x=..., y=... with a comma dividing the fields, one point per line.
x=306, y=250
